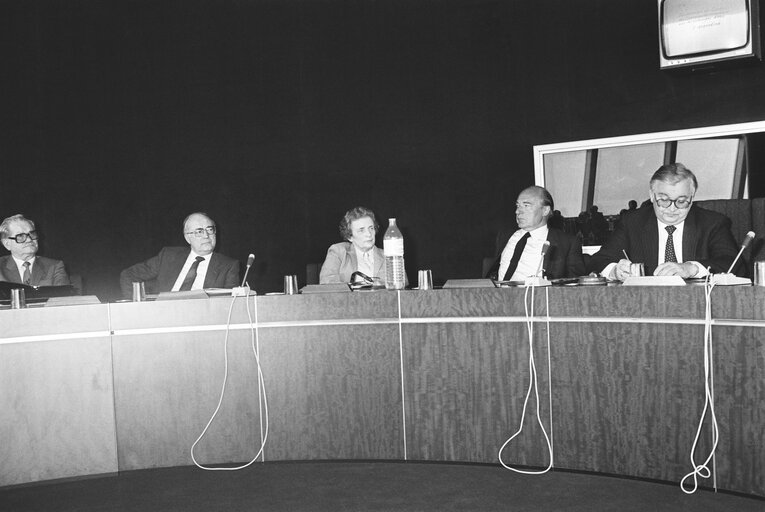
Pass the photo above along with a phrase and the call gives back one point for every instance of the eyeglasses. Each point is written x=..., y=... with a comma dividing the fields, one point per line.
x=23, y=237
x=202, y=232
x=681, y=203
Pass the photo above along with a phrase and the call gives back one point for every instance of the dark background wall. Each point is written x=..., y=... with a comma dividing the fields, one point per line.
x=275, y=116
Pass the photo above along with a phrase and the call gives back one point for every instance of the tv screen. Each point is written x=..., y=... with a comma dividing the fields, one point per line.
x=696, y=33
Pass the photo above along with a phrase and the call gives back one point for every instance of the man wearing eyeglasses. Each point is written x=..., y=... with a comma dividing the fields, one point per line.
x=671, y=236
x=183, y=268
x=18, y=235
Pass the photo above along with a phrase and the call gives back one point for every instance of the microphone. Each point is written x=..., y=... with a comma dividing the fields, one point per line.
x=545, y=248
x=747, y=240
x=250, y=261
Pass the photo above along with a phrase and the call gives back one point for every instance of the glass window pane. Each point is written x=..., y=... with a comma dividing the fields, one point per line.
x=713, y=161
x=564, y=179
x=623, y=173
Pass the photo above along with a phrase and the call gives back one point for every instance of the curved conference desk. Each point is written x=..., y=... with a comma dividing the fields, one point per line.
x=416, y=375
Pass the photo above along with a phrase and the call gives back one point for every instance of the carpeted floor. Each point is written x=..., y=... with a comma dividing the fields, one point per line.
x=353, y=486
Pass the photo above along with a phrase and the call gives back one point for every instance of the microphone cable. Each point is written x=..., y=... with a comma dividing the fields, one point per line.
x=262, y=399
x=702, y=470
x=533, y=384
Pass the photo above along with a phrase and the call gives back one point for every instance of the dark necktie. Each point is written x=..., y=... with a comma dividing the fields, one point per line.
x=516, y=256
x=192, y=274
x=27, y=277
x=669, y=250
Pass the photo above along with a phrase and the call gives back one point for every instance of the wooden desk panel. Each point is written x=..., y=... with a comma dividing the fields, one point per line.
x=52, y=322
x=627, y=397
x=739, y=384
x=167, y=387
x=57, y=406
x=465, y=385
x=334, y=392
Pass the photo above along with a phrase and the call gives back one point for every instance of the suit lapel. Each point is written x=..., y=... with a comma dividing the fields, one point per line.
x=11, y=270
x=690, y=236
x=553, y=239
x=38, y=272
x=649, y=242
x=171, y=268
x=351, y=253
x=212, y=272
x=379, y=262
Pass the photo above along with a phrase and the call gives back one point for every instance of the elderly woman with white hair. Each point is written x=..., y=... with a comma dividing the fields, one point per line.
x=358, y=253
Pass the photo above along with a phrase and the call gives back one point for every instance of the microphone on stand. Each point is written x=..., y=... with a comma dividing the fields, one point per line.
x=244, y=291
x=747, y=240
x=250, y=261
x=545, y=248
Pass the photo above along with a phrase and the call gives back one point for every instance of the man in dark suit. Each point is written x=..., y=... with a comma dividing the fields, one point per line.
x=671, y=236
x=181, y=269
x=519, y=252
x=18, y=235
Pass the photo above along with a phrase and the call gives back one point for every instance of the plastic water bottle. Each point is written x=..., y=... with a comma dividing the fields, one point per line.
x=393, y=249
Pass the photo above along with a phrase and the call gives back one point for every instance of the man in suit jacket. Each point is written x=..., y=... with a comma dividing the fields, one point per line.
x=18, y=235
x=671, y=236
x=181, y=268
x=519, y=253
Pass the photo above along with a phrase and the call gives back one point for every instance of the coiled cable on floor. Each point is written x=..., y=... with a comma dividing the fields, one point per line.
x=702, y=470
x=262, y=400
x=533, y=384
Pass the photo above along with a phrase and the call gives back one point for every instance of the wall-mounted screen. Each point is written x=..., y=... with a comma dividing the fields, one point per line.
x=706, y=33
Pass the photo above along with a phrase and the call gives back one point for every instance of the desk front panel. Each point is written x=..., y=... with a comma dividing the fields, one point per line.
x=627, y=381
x=56, y=394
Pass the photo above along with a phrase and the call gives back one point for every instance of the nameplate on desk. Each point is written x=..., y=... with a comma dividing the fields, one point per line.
x=326, y=288
x=469, y=283
x=730, y=280
x=654, y=281
x=190, y=294
x=73, y=300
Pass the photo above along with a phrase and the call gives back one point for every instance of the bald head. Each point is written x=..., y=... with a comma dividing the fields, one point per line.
x=533, y=207
x=199, y=231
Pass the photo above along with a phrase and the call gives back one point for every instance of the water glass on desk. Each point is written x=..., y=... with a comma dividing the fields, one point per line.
x=139, y=292
x=637, y=270
x=290, y=285
x=759, y=273
x=425, y=279
x=18, y=298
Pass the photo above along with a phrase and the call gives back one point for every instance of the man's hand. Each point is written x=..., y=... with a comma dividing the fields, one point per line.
x=622, y=269
x=685, y=270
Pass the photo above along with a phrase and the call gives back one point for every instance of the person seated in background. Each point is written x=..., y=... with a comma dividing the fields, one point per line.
x=180, y=268
x=519, y=252
x=671, y=236
x=358, y=253
x=23, y=266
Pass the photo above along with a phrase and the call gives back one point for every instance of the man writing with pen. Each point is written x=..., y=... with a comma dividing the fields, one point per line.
x=671, y=236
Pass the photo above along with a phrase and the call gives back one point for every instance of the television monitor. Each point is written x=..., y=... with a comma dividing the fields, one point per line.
x=698, y=34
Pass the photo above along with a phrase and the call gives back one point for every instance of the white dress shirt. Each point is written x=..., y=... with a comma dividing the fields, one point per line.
x=199, y=282
x=531, y=257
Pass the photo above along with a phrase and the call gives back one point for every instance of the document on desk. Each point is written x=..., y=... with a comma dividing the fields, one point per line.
x=654, y=281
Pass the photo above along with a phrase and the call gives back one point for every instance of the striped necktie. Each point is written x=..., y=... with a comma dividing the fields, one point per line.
x=27, y=277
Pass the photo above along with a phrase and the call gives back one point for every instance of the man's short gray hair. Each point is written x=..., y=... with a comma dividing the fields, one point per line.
x=674, y=173
x=5, y=227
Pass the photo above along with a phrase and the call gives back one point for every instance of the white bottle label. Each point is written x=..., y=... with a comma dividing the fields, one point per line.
x=393, y=247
